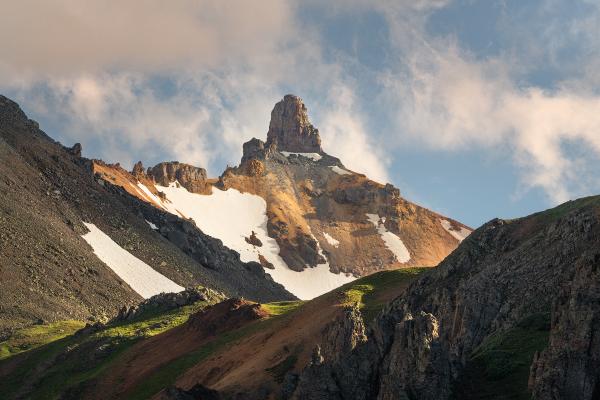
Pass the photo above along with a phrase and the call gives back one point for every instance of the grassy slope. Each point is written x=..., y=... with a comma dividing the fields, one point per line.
x=374, y=291
x=106, y=346
x=40, y=345
x=499, y=368
x=371, y=292
x=38, y=335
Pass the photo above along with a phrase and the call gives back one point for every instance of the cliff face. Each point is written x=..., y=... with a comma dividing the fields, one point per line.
x=569, y=367
x=506, y=272
x=290, y=129
x=190, y=177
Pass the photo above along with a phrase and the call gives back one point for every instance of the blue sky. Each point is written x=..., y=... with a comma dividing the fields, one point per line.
x=475, y=109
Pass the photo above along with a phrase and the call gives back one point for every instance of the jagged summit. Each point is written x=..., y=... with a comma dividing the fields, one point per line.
x=290, y=129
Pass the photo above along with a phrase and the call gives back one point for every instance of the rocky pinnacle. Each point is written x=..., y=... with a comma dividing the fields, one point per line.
x=290, y=130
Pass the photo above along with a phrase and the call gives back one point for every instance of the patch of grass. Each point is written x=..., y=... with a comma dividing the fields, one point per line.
x=374, y=291
x=153, y=323
x=279, y=370
x=37, y=335
x=88, y=355
x=565, y=208
x=281, y=307
x=499, y=367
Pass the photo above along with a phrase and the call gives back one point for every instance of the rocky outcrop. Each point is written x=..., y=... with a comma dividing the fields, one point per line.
x=299, y=253
x=253, y=149
x=290, y=129
x=343, y=334
x=138, y=170
x=169, y=301
x=253, y=240
x=568, y=368
x=503, y=273
x=75, y=150
x=225, y=316
x=339, y=338
x=190, y=177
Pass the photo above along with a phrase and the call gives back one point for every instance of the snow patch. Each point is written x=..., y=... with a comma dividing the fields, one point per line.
x=458, y=235
x=312, y=156
x=165, y=205
x=151, y=225
x=339, y=170
x=140, y=276
x=332, y=241
x=231, y=216
x=392, y=242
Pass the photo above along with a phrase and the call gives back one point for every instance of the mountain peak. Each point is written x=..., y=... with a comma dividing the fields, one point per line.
x=290, y=129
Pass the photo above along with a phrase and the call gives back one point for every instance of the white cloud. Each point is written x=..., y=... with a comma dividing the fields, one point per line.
x=91, y=70
x=344, y=135
x=67, y=37
x=457, y=104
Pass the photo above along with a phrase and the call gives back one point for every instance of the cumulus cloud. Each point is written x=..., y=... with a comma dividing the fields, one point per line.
x=445, y=98
x=456, y=104
x=344, y=135
x=63, y=37
x=90, y=69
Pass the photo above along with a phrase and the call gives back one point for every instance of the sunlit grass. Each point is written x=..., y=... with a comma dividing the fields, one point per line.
x=37, y=335
x=281, y=307
x=366, y=291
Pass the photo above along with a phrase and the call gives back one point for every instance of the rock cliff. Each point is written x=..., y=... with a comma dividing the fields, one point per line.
x=503, y=274
x=290, y=129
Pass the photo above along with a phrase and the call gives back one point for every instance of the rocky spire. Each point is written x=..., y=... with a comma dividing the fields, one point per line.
x=290, y=130
x=138, y=170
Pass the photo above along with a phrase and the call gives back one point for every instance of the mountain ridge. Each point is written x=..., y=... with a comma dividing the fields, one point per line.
x=321, y=214
x=49, y=272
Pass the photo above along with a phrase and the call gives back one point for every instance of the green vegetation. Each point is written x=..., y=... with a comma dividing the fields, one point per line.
x=153, y=322
x=37, y=335
x=565, y=208
x=89, y=355
x=281, y=307
x=168, y=373
x=499, y=368
x=374, y=291
x=279, y=370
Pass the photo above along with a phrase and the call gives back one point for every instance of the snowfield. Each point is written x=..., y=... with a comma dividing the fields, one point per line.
x=151, y=225
x=392, y=242
x=232, y=216
x=166, y=205
x=312, y=156
x=137, y=274
x=334, y=242
x=458, y=235
x=339, y=170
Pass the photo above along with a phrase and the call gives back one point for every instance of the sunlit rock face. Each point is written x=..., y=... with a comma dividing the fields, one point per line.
x=290, y=129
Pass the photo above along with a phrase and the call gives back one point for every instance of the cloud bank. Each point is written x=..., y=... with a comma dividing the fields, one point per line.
x=192, y=80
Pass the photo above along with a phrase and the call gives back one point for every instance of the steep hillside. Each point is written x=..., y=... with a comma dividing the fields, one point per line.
x=232, y=348
x=72, y=247
x=478, y=325
x=308, y=220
